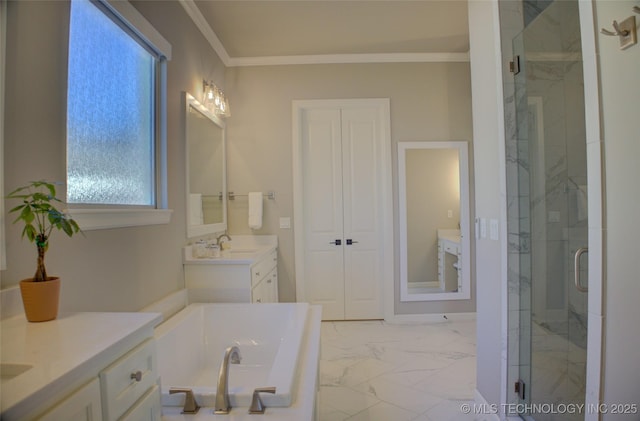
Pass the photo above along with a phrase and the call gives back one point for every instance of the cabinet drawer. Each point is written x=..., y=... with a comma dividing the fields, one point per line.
x=148, y=409
x=120, y=387
x=263, y=267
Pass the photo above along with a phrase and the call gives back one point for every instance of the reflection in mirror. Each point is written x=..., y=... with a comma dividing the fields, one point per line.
x=206, y=170
x=434, y=221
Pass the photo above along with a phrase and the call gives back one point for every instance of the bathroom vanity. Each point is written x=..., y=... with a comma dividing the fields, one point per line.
x=247, y=272
x=81, y=366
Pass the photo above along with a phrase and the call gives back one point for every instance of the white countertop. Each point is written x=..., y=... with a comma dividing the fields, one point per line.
x=243, y=249
x=64, y=353
x=452, y=235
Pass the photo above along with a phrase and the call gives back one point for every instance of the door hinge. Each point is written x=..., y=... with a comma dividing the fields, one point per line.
x=514, y=65
x=519, y=389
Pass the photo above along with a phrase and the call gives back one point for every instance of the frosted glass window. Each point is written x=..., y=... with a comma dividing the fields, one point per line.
x=110, y=112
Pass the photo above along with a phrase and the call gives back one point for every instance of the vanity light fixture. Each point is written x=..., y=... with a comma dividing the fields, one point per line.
x=214, y=99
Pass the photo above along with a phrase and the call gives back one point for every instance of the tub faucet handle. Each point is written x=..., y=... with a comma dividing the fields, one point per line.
x=257, y=407
x=190, y=404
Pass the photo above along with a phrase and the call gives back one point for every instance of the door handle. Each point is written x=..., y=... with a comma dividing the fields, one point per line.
x=350, y=241
x=337, y=242
x=576, y=269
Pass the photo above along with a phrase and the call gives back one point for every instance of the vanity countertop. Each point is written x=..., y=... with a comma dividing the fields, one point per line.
x=60, y=353
x=452, y=235
x=244, y=249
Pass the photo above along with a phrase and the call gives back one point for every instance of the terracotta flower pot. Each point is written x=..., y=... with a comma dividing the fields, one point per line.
x=40, y=299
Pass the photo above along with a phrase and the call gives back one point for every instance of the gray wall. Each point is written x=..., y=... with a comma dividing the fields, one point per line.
x=126, y=269
x=429, y=102
x=117, y=269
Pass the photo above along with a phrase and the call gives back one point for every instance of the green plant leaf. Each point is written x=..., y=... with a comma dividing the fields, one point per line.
x=17, y=208
x=27, y=215
x=30, y=232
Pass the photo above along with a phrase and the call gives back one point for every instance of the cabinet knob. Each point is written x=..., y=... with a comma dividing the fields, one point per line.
x=257, y=273
x=268, y=281
x=136, y=375
x=259, y=300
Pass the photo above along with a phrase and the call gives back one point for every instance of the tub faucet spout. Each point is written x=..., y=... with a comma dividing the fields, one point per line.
x=231, y=355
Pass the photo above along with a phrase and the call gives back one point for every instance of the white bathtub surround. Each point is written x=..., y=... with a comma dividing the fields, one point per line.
x=192, y=343
x=372, y=370
x=63, y=354
x=302, y=407
x=169, y=305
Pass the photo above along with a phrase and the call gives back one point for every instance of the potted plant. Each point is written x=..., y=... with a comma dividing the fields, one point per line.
x=40, y=294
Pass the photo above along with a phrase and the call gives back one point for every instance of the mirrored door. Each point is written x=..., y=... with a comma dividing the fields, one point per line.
x=552, y=210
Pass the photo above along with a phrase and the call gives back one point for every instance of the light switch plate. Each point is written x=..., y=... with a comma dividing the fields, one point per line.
x=483, y=227
x=285, y=222
x=493, y=229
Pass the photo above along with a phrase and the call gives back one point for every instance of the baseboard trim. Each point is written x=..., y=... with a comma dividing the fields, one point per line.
x=431, y=318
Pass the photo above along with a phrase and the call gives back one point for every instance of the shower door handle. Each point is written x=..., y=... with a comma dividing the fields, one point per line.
x=576, y=269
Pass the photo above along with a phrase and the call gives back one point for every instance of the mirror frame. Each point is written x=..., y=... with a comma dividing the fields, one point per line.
x=464, y=292
x=204, y=229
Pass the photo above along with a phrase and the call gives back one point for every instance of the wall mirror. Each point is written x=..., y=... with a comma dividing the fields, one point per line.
x=206, y=170
x=434, y=221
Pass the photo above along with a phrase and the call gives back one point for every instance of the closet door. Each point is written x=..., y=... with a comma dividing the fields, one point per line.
x=323, y=207
x=343, y=259
x=363, y=263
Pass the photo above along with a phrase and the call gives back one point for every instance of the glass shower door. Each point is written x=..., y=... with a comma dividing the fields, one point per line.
x=552, y=209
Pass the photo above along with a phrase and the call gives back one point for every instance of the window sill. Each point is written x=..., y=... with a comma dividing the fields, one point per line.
x=97, y=219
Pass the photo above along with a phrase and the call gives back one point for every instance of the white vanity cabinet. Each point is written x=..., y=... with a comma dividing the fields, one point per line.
x=84, y=366
x=236, y=278
x=129, y=381
x=82, y=405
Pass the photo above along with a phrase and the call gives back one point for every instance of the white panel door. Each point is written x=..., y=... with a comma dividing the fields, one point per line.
x=361, y=136
x=343, y=263
x=322, y=196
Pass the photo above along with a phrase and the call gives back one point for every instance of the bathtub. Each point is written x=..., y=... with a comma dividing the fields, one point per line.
x=191, y=345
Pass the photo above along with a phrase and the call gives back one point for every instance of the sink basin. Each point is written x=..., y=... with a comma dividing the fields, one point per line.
x=9, y=371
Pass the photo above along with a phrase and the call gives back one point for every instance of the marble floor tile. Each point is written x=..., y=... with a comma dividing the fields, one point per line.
x=372, y=370
x=384, y=412
x=345, y=399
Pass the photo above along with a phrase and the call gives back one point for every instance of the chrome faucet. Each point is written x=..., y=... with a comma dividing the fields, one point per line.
x=219, y=239
x=231, y=355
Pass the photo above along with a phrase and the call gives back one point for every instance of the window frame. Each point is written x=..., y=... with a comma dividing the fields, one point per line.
x=96, y=216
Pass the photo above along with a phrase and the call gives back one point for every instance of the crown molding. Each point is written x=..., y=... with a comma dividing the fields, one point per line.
x=349, y=59
x=201, y=23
